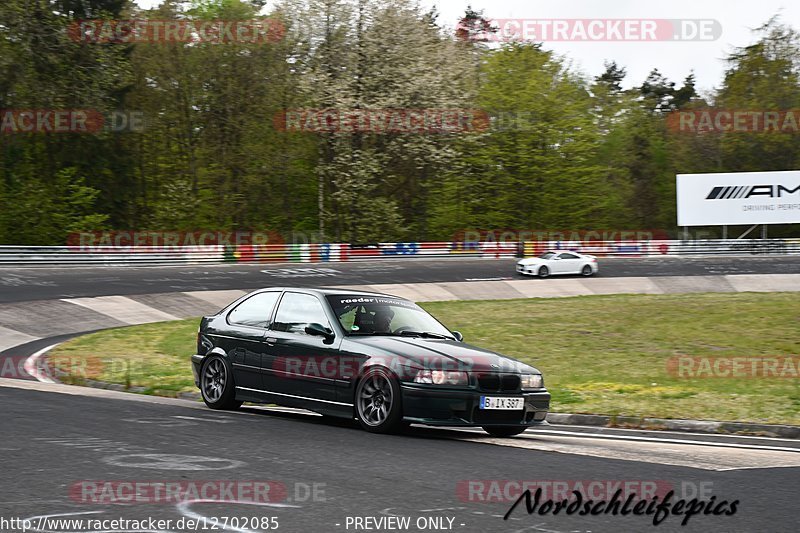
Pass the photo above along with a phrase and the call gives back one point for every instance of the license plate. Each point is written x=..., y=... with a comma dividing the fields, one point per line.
x=505, y=404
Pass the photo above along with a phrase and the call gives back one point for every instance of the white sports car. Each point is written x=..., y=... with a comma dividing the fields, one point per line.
x=558, y=262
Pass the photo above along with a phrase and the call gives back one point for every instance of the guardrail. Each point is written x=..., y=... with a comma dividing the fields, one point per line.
x=663, y=247
x=313, y=253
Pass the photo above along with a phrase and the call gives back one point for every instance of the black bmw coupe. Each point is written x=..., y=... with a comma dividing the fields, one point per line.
x=377, y=358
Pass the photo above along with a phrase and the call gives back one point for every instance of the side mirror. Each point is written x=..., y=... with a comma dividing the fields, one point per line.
x=459, y=337
x=318, y=330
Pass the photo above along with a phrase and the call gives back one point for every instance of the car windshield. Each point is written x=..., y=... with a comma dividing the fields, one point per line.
x=381, y=315
x=548, y=255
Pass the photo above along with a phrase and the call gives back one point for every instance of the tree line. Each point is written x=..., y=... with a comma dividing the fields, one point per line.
x=222, y=139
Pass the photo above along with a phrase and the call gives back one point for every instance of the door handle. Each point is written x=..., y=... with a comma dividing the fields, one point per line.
x=271, y=340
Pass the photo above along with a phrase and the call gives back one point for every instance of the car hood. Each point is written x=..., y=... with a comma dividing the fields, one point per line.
x=531, y=261
x=437, y=354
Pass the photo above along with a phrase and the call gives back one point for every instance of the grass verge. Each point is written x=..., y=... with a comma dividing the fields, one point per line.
x=599, y=354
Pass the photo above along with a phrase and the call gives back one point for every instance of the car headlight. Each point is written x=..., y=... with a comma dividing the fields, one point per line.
x=441, y=377
x=532, y=381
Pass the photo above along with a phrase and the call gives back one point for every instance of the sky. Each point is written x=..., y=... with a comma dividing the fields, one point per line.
x=675, y=60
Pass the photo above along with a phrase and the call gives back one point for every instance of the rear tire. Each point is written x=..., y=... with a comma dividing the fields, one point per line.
x=378, y=402
x=216, y=384
x=504, y=431
x=587, y=271
x=544, y=272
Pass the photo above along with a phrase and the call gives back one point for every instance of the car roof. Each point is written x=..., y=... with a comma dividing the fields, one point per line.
x=325, y=291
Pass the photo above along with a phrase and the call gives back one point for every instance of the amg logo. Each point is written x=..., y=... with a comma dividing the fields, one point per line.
x=733, y=192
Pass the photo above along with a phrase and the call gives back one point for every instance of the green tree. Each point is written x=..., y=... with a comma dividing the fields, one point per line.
x=764, y=76
x=536, y=167
x=46, y=69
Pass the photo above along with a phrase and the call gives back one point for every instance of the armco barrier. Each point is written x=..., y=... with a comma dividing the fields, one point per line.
x=313, y=253
x=662, y=247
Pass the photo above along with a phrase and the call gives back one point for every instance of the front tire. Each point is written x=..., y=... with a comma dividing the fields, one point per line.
x=378, y=402
x=504, y=431
x=544, y=272
x=216, y=384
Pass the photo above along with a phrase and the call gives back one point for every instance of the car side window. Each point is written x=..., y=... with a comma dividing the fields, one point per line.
x=296, y=311
x=568, y=256
x=255, y=311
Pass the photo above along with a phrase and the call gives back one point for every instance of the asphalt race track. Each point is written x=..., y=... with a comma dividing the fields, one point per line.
x=69, y=452
x=44, y=283
x=61, y=447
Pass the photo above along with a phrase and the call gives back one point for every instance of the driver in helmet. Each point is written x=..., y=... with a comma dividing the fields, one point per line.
x=382, y=319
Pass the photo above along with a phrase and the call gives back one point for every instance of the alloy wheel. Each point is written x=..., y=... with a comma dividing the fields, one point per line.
x=214, y=379
x=375, y=400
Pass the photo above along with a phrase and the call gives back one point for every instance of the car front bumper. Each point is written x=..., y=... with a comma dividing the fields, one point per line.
x=458, y=407
x=527, y=270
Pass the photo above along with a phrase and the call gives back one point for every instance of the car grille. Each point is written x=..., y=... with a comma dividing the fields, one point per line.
x=498, y=382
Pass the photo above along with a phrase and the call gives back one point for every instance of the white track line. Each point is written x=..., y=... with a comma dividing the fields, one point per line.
x=184, y=508
x=671, y=441
x=31, y=365
x=531, y=435
x=658, y=433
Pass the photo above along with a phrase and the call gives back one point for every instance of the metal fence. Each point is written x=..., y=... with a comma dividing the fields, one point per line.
x=313, y=253
x=657, y=248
